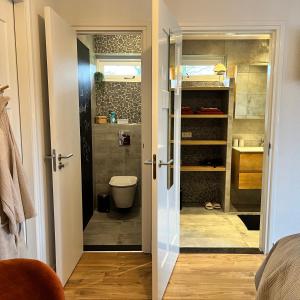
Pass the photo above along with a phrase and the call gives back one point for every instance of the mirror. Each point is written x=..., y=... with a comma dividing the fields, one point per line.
x=251, y=91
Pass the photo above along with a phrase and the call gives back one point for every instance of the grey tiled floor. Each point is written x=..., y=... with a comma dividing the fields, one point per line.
x=114, y=228
x=204, y=228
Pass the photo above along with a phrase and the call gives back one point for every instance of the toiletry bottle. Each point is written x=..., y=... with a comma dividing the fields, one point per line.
x=113, y=117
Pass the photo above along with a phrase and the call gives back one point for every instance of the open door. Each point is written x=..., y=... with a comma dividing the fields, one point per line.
x=65, y=142
x=166, y=122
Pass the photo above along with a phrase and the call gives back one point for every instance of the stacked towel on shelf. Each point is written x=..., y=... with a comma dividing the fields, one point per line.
x=209, y=111
x=186, y=110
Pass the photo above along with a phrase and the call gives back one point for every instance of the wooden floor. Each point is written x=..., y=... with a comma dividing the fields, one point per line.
x=214, y=276
x=111, y=276
x=196, y=277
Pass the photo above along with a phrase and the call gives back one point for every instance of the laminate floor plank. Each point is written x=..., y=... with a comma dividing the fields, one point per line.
x=214, y=277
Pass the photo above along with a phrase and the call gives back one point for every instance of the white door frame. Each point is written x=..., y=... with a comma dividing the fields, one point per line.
x=277, y=31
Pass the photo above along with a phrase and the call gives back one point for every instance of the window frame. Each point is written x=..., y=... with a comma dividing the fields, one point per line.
x=202, y=60
x=101, y=62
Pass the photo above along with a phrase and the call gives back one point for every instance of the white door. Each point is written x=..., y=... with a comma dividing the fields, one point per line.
x=8, y=65
x=166, y=115
x=65, y=142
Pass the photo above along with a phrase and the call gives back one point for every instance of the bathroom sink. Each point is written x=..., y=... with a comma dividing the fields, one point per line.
x=249, y=149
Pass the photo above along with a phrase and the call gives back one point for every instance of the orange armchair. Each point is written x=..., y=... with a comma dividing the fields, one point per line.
x=27, y=279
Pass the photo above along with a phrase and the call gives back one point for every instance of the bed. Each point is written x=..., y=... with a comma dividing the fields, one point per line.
x=279, y=276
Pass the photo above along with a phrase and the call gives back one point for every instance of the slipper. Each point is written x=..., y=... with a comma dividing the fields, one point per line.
x=208, y=205
x=216, y=205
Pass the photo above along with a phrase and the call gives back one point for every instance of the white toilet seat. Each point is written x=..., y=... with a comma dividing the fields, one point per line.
x=123, y=181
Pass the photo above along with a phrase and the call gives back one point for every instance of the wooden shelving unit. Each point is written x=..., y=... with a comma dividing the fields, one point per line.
x=212, y=134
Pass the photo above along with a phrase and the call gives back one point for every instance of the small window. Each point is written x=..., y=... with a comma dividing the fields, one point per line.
x=201, y=67
x=120, y=70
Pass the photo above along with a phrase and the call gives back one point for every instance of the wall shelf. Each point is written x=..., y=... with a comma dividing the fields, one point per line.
x=203, y=142
x=206, y=88
x=202, y=169
x=195, y=116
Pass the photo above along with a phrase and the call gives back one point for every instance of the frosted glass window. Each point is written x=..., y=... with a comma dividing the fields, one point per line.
x=120, y=70
x=201, y=67
x=198, y=70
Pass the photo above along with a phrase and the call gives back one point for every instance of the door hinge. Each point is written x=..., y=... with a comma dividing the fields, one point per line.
x=52, y=157
x=269, y=149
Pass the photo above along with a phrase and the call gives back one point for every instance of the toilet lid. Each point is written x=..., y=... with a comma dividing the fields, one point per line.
x=123, y=181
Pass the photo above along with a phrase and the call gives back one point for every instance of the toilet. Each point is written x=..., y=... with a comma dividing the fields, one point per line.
x=123, y=190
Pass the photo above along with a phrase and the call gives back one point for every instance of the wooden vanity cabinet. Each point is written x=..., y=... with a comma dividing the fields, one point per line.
x=247, y=170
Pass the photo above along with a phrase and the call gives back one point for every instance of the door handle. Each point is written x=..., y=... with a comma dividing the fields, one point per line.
x=161, y=163
x=61, y=157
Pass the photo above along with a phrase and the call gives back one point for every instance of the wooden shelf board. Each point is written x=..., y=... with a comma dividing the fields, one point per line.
x=202, y=142
x=195, y=116
x=206, y=88
x=202, y=169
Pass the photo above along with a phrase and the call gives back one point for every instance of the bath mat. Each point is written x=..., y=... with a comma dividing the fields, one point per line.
x=252, y=222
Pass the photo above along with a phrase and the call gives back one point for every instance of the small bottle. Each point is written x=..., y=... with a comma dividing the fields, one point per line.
x=113, y=117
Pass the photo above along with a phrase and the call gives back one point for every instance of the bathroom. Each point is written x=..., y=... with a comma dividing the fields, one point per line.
x=110, y=92
x=224, y=103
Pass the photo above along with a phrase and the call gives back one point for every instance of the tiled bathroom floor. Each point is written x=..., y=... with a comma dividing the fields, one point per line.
x=114, y=228
x=214, y=229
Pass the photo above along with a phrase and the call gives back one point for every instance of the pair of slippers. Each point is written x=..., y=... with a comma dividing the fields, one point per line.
x=212, y=205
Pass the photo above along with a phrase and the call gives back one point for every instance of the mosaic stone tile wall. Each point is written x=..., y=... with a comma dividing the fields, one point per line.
x=122, y=97
x=197, y=187
x=118, y=43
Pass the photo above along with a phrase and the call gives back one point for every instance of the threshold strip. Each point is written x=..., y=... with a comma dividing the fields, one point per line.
x=220, y=250
x=112, y=248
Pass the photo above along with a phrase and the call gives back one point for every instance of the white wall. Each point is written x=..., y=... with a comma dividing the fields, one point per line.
x=285, y=209
x=106, y=12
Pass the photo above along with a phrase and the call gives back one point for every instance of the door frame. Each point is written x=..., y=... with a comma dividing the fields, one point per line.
x=146, y=145
x=277, y=31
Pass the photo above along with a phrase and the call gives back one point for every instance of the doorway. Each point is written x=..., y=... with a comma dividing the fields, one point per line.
x=110, y=95
x=223, y=150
